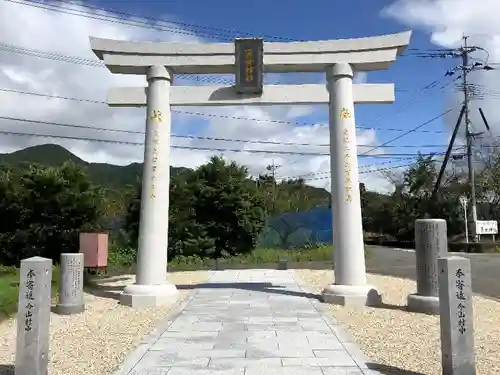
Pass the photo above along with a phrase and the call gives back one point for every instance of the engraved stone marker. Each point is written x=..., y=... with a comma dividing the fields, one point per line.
x=456, y=316
x=71, y=284
x=431, y=242
x=33, y=316
x=283, y=264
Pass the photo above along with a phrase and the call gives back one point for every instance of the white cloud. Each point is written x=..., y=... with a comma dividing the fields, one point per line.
x=28, y=73
x=447, y=21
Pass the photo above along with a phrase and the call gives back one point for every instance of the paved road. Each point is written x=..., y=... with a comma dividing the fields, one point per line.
x=393, y=262
x=252, y=322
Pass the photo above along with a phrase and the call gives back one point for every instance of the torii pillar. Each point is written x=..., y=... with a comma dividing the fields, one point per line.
x=337, y=58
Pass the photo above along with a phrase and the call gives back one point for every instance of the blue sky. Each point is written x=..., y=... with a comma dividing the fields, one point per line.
x=322, y=19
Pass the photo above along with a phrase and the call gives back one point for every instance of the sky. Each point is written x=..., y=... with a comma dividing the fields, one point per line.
x=34, y=59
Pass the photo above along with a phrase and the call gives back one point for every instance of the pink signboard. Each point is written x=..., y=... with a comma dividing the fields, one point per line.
x=94, y=246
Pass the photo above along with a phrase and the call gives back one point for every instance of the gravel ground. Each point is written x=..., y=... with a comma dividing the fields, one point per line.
x=409, y=341
x=98, y=340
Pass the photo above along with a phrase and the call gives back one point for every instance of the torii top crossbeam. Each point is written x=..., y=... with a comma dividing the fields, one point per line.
x=364, y=54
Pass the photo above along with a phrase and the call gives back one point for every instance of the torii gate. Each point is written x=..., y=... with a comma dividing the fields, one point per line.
x=250, y=59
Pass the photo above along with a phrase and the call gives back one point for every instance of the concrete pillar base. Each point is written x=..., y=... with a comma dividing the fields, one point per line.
x=69, y=309
x=423, y=304
x=352, y=296
x=143, y=296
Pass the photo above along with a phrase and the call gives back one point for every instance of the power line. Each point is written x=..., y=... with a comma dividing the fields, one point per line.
x=199, y=149
x=425, y=91
x=205, y=138
x=279, y=152
x=136, y=20
x=368, y=171
x=131, y=143
x=413, y=158
x=286, y=122
x=155, y=23
x=84, y=61
x=360, y=172
x=409, y=131
x=191, y=137
x=406, y=133
x=464, y=52
x=311, y=174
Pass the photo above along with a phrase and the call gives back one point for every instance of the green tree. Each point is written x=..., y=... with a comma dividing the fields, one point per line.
x=228, y=206
x=411, y=200
x=214, y=211
x=43, y=209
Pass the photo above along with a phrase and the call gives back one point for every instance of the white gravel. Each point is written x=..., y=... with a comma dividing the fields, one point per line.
x=98, y=340
x=405, y=340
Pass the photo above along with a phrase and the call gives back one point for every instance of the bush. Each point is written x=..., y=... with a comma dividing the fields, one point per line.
x=43, y=210
x=472, y=247
x=121, y=256
x=215, y=211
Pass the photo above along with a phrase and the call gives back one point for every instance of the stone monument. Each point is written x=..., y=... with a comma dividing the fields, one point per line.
x=33, y=316
x=71, y=284
x=283, y=263
x=431, y=242
x=456, y=316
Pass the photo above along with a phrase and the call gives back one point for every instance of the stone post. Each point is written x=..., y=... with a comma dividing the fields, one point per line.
x=349, y=257
x=71, y=284
x=33, y=316
x=456, y=316
x=431, y=242
x=283, y=264
x=151, y=287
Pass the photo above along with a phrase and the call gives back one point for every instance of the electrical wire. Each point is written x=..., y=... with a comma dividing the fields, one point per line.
x=285, y=122
x=371, y=171
x=205, y=138
x=409, y=131
x=404, y=134
x=361, y=167
x=253, y=151
x=152, y=23
x=218, y=33
x=84, y=61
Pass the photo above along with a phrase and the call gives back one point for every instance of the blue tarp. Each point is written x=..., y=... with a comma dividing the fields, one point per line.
x=298, y=229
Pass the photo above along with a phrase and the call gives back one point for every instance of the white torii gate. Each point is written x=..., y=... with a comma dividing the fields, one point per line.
x=338, y=58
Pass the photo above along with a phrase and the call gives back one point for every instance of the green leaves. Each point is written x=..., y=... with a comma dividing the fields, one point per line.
x=43, y=210
x=214, y=211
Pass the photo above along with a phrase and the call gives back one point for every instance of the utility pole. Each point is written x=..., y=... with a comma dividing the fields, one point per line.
x=273, y=168
x=468, y=134
x=465, y=68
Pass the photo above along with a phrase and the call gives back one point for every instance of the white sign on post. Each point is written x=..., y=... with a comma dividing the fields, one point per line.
x=486, y=227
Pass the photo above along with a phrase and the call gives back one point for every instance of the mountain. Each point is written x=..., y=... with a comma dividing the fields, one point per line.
x=116, y=176
x=100, y=173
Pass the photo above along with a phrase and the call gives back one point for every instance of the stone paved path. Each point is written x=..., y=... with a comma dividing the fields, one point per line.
x=247, y=322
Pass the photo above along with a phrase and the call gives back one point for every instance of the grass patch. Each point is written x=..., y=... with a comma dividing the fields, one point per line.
x=9, y=289
x=255, y=258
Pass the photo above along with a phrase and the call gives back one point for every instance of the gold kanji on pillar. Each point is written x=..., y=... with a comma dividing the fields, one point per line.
x=156, y=115
x=345, y=114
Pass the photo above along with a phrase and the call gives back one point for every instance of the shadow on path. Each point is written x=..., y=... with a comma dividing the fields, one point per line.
x=390, y=370
x=104, y=290
x=6, y=369
x=258, y=287
x=274, y=289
